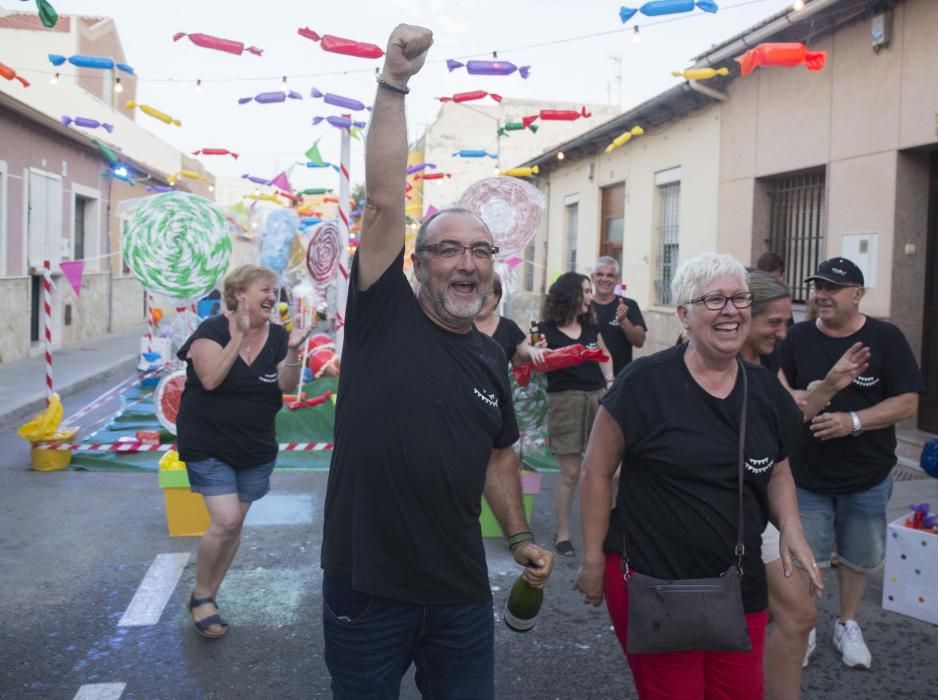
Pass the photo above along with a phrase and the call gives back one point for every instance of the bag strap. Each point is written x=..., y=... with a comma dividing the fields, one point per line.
x=740, y=549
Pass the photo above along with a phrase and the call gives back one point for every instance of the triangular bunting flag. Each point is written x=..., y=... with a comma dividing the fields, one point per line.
x=73, y=273
x=281, y=182
x=313, y=155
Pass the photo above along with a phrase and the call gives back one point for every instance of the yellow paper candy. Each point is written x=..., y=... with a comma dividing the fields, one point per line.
x=520, y=172
x=624, y=138
x=154, y=112
x=700, y=73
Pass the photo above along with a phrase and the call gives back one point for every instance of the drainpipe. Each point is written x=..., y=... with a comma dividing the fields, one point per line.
x=709, y=92
x=748, y=41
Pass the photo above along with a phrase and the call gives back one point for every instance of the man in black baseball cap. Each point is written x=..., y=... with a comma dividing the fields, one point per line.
x=839, y=271
x=845, y=454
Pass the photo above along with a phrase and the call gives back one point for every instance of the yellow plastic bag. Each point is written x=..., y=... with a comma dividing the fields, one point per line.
x=43, y=427
x=171, y=460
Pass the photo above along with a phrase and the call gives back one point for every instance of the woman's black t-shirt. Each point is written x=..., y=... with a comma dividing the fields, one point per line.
x=508, y=336
x=678, y=493
x=234, y=422
x=585, y=377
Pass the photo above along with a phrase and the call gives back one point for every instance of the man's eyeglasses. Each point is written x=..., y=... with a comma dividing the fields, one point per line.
x=716, y=302
x=449, y=250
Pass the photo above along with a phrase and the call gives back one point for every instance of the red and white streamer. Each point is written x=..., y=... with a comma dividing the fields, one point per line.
x=341, y=287
x=47, y=323
x=136, y=447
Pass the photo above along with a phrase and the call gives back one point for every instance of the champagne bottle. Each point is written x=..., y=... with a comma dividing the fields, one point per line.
x=524, y=603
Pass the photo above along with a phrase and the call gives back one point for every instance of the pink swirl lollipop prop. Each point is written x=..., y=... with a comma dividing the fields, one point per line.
x=322, y=255
x=511, y=208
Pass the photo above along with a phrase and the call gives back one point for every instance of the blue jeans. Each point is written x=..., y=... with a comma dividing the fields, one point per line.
x=371, y=642
x=856, y=520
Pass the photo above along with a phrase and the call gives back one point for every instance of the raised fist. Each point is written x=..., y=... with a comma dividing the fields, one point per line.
x=407, y=50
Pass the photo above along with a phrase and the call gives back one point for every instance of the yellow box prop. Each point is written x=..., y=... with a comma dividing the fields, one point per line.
x=186, y=514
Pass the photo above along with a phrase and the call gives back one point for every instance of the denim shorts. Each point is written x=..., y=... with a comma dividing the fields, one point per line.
x=857, y=521
x=212, y=477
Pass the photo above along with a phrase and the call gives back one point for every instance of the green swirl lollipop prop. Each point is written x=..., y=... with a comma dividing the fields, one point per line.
x=177, y=244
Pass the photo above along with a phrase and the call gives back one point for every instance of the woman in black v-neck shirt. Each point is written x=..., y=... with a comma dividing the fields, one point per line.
x=673, y=420
x=573, y=393
x=512, y=340
x=237, y=367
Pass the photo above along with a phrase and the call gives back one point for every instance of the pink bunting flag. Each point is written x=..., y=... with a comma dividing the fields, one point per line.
x=281, y=182
x=431, y=210
x=513, y=262
x=73, y=273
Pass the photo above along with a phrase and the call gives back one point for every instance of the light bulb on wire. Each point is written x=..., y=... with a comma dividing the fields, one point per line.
x=798, y=5
x=54, y=80
x=636, y=35
x=117, y=85
x=283, y=83
x=560, y=156
x=198, y=86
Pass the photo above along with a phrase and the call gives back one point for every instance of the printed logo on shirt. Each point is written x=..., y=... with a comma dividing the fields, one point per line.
x=866, y=382
x=270, y=378
x=758, y=466
x=490, y=399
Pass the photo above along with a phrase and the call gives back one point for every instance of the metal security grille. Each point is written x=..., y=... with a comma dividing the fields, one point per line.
x=796, y=227
x=669, y=197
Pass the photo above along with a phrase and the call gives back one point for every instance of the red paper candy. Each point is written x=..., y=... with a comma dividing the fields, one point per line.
x=785, y=55
x=336, y=44
x=568, y=356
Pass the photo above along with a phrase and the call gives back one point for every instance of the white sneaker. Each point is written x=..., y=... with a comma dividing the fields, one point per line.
x=848, y=640
x=812, y=647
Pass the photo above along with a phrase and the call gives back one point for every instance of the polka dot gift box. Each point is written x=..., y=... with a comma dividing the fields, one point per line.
x=910, y=582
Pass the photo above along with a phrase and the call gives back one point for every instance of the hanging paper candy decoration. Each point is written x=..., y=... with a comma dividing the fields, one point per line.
x=266, y=98
x=518, y=126
x=207, y=41
x=469, y=96
x=520, y=172
x=10, y=74
x=255, y=179
x=785, y=55
x=86, y=123
x=311, y=164
x=187, y=174
x=265, y=198
x=336, y=44
x=339, y=122
x=556, y=115
x=417, y=167
x=215, y=152
x=322, y=255
x=100, y=62
x=160, y=188
x=177, y=244
x=511, y=209
x=489, y=68
x=700, y=73
x=47, y=14
x=153, y=112
x=431, y=176
x=314, y=191
x=338, y=100
x=470, y=153
x=624, y=138
x=656, y=8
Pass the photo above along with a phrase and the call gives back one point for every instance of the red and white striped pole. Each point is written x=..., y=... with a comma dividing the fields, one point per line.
x=341, y=287
x=150, y=323
x=47, y=323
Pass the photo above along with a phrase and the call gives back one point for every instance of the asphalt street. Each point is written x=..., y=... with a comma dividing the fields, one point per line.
x=75, y=548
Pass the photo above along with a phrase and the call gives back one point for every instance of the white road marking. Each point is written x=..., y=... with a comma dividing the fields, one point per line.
x=100, y=691
x=155, y=589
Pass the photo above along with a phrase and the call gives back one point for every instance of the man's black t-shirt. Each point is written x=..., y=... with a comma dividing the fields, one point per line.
x=587, y=376
x=419, y=411
x=508, y=336
x=619, y=346
x=678, y=492
x=848, y=464
x=236, y=421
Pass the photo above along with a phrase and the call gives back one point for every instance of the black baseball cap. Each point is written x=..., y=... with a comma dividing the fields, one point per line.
x=838, y=271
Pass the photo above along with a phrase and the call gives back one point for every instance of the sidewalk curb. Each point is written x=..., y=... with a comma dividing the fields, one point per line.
x=33, y=405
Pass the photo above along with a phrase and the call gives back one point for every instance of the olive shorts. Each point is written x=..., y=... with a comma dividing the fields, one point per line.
x=570, y=416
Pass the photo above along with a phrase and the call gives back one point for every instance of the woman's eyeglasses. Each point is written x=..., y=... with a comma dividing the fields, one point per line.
x=717, y=302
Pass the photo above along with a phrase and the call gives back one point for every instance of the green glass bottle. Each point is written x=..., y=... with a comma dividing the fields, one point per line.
x=524, y=603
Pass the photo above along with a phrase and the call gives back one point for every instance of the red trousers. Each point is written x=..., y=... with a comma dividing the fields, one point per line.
x=688, y=675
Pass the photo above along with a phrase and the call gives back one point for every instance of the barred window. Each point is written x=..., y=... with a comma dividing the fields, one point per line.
x=529, y=267
x=669, y=197
x=797, y=227
x=571, y=223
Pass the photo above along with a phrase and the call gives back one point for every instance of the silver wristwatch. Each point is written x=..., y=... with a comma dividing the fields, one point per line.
x=857, y=427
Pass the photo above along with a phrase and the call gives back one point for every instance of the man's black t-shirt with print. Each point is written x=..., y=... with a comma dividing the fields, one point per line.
x=848, y=464
x=587, y=376
x=236, y=421
x=678, y=491
x=508, y=336
x=619, y=346
x=419, y=411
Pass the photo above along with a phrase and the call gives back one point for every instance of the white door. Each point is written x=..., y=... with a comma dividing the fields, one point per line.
x=44, y=219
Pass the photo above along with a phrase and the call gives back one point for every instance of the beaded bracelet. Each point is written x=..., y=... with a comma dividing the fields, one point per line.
x=518, y=539
x=393, y=88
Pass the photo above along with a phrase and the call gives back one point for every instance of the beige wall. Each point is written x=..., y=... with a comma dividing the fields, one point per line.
x=14, y=318
x=127, y=310
x=691, y=144
x=853, y=119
